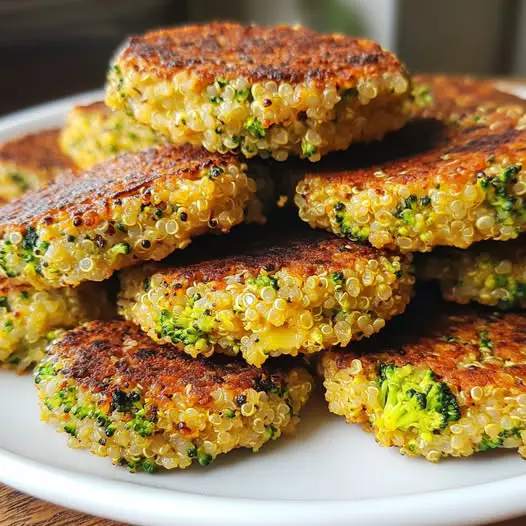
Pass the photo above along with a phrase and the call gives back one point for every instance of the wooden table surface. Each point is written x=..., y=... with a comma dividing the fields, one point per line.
x=17, y=509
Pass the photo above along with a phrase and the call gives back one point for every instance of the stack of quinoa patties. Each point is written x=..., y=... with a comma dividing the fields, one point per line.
x=211, y=348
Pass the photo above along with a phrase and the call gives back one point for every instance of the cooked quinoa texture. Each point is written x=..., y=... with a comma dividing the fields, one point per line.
x=452, y=383
x=298, y=296
x=269, y=91
x=95, y=133
x=30, y=318
x=492, y=273
x=115, y=392
x=30, y=162
x=135, y=207
x=447, y=181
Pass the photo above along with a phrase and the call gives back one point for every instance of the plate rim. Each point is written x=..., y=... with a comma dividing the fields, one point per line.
x=135, y=503
x=503, y=499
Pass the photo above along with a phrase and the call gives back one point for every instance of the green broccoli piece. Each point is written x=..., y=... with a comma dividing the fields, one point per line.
x=20, y=180
x=255, y=127
x=263, y=280
x=71, y=428
x=187, y=328
x=307, y=148
x=413, y=398
x=4, y=303
x=121, y=248
x=204, y=458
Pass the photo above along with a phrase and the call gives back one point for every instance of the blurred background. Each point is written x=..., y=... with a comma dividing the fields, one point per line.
x=53, y=48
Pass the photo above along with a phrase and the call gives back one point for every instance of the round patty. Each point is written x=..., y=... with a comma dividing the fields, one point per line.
x=266, y=91
x=448, y=382
x=30, y=319
x=135, y=207
x=145, y=405
x=95, y=133
x=29, y=162
x=279, y=297
x=492, y=273
x=453, y=180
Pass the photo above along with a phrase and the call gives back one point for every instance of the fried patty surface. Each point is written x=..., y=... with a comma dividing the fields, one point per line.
x=450, y=97
x=31, y=161
x=94, y=133
x=294, y=292
x=137, y=206
x=446, y=179
x=443, y=380
x=119, y=394
x=490, y=272
x=274, y=53
x=261, y=90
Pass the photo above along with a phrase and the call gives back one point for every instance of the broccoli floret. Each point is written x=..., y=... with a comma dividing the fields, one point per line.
x=44, y=371
x=349, y=229
x=423, y=96
x=413, y=398
x=189, y=327
x=140, y=425
x=30, y=239
x=121, y=248
x=264, y=280
x=125, y=402
x=20, y=180
x=307, y=148
x=498, y=192
x=254, y=127
x=337, y=278
x=71, y=428
x=243, y=94
x=487, y=443
x=204, y=458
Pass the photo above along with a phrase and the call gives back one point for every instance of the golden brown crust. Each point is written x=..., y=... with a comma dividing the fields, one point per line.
x=458, y=95
x=252, y=248
x=279, y=53
x=96, y=189
x=105, y=356
x=94, y=107
x=37, y=151
x=464, y=346
x=450, y=141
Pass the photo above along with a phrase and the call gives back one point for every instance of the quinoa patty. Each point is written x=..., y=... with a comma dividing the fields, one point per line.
x=282, y=297
x=451, y=98
x=135, y=207
x=490, y=272
x=145, y=405
x=95, y=133
x=261, y=90
x=449, y=382
x=452, y=182
x=30, y=319
x=29, y=162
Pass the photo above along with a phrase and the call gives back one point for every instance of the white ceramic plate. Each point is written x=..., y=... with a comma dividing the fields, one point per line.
x=330, y=473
